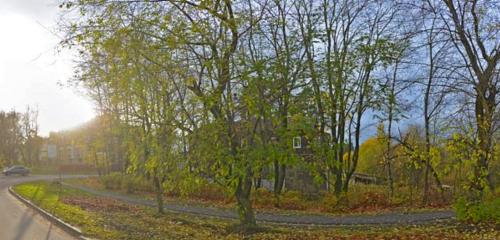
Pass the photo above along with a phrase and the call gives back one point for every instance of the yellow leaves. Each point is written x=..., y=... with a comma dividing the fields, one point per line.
x=436, y=159
x=371, y=154
x=171, y=41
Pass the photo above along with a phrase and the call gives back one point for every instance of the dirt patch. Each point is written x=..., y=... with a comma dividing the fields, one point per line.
x=99, y=204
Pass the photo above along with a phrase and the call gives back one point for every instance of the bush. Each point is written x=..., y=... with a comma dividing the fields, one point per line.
x=128, y=183
x=263, y=198
x=209, y=192
x=135, y=184
x=368, y=198
x=291, y=200
x=112, y=181
x=487, y=211
x=329, y=202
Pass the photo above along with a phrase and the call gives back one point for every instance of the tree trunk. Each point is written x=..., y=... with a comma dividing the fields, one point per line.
x=390, y=118
x=338, y=179
x=427, y=162
x=484, y=118
x=244, y=204
x=279, y=179
x=280, y=168
x=339, y=156
x=350, y=169
x=258, y=182
x=427, y=137
x=159, y=194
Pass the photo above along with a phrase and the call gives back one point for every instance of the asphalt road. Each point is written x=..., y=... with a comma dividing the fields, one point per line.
x=18, y=222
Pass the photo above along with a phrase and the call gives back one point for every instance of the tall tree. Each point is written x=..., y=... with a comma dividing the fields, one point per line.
x=471, y=27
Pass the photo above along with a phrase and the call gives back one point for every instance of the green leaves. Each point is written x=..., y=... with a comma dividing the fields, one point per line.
x=217, y=90
x=487, y=212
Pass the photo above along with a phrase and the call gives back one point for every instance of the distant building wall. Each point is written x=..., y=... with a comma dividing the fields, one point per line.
x=60, y=154
x=51, y=152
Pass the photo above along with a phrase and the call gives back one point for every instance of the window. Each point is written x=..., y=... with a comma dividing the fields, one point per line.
x=297, y=142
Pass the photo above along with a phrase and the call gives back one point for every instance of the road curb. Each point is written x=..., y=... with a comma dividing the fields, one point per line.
x=72, y=230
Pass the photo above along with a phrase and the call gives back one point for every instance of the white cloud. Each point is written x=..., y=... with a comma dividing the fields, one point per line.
x=31, y=69
x=40, y=10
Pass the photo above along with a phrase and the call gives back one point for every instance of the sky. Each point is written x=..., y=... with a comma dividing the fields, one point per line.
x=32, y=70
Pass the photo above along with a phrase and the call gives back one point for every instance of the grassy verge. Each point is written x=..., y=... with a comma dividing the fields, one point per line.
x=105, y=218
x=48, y=195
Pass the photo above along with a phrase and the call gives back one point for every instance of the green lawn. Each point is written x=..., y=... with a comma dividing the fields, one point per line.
x=48, y=196
x=104, y=218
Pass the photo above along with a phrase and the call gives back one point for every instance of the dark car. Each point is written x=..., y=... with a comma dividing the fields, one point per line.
x=19, y=170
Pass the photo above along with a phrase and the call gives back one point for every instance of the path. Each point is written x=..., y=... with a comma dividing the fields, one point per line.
x=393, y=218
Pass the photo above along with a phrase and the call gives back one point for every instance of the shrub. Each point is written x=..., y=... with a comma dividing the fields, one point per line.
x=263, y=198
x=209, y=192
x=129, y=184
x=124, y=182
x=329, y=202
x=368, y=198
x=487, y=211
x=135, y=184
x=291, y=200
x=112, y=181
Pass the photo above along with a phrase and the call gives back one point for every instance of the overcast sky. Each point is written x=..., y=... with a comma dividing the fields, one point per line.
x=31, y=70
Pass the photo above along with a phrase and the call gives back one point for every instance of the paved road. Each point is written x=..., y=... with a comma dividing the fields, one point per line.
x=18, y=222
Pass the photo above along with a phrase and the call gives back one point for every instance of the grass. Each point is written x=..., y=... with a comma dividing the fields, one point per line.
x=104, y=218
x=48, y=195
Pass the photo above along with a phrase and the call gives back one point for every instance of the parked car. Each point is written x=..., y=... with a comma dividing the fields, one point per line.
x=19, y=170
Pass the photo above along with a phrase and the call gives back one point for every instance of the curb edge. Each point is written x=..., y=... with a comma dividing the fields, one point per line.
x=72, y=230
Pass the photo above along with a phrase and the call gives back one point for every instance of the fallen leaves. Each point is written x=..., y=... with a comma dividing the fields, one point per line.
x=99, y=204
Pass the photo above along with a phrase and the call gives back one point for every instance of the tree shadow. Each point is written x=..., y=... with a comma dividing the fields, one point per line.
x=49, y=232
x=24, y=224
x=28, y=218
